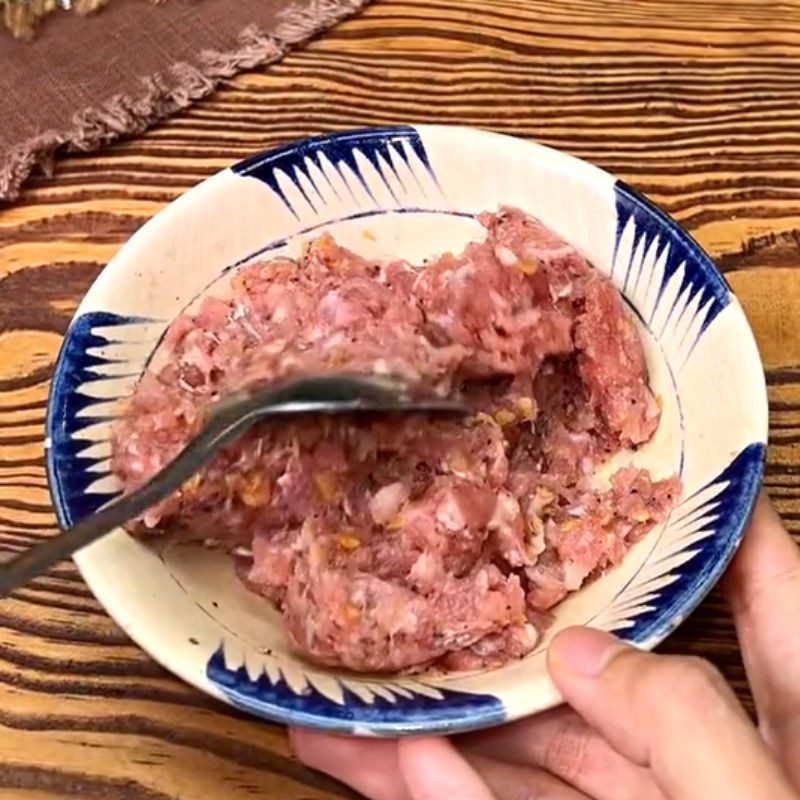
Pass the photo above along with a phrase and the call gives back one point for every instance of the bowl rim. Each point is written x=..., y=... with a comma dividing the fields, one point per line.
x=430, y=722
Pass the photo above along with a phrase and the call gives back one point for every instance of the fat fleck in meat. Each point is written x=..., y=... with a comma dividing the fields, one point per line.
x=394, y=544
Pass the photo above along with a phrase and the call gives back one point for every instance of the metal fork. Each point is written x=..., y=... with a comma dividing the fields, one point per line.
x=227, y=420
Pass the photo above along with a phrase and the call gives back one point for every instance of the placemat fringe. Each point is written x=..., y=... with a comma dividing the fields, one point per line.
x=124, y=115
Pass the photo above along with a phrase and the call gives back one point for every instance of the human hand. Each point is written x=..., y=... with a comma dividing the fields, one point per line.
x=639, y=726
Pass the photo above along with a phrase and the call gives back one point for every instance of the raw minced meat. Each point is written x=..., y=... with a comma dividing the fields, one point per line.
x=393, y=544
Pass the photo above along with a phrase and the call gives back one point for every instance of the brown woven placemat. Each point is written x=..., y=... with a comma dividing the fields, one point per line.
x=83, y=82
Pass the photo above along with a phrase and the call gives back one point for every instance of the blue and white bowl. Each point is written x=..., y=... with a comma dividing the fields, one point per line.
x=413, y=193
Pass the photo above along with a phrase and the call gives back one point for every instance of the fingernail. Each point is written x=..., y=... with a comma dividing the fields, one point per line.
x=583, y=651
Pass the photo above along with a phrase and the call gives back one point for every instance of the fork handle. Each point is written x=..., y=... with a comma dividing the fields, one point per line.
x=220, y=430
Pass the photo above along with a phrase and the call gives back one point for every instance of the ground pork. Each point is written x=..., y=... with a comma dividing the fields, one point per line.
x=395, y=544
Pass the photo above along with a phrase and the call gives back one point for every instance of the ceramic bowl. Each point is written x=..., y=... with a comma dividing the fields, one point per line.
x=410, y=192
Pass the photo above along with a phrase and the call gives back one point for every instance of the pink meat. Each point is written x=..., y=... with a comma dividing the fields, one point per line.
x=397, y=544
x=611, y=364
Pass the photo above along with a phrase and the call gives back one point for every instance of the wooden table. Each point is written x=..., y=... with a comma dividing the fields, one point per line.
x=696, y=103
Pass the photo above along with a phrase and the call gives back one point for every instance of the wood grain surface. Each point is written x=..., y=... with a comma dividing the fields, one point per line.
x=696, y=103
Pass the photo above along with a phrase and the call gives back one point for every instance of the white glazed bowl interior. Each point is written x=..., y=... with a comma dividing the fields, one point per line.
x=411, y=193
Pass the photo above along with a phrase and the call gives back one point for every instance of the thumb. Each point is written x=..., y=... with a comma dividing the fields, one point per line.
x=433, y=770
x=675, y=715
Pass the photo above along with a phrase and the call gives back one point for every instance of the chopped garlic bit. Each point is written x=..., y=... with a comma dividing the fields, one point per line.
x=527, y=267
x=526, y=408
x=347, y=541
x=253, y=490
x=536, y=525
x=337, y=358
x=191, y=485
x=543, y=497
x=328, y=485
x=457, y=462
x=505, y=417
x=395, y=523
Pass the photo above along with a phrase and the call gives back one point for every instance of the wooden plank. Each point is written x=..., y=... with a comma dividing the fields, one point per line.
x=697, y=104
